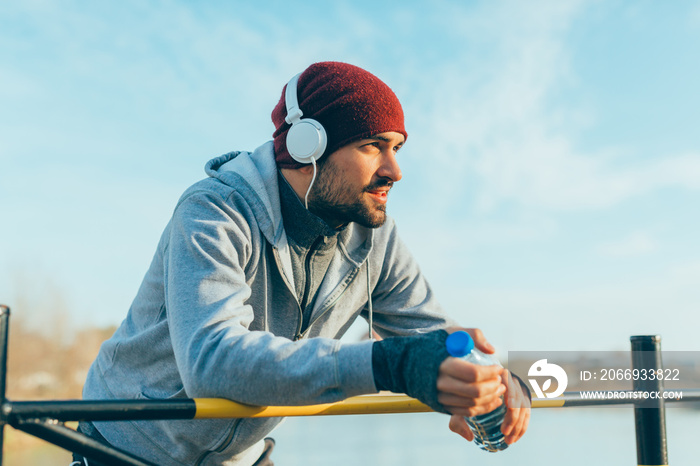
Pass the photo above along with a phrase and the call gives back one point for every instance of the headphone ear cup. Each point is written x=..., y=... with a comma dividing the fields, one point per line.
x=306, y=140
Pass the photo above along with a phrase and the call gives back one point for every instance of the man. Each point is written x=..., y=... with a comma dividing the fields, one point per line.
x=265, y=264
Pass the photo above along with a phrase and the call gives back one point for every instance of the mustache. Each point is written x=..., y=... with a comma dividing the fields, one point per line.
x=381, y=183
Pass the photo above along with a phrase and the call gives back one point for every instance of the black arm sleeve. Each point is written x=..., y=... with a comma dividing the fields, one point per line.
x=411, y=365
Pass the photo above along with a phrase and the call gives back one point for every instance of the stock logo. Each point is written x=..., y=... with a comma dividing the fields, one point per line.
x=542, y=368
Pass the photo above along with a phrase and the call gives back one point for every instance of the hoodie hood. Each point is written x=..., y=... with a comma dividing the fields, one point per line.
x=254, y=175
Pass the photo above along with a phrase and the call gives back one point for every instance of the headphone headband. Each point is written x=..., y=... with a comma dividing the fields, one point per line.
x=294, y=113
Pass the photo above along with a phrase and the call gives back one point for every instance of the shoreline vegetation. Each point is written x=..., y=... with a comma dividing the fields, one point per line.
x=47, y=360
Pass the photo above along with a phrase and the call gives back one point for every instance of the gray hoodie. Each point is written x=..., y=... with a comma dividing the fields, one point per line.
x=217, y=316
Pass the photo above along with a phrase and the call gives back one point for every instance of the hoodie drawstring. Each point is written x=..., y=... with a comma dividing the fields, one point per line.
x=369, y=303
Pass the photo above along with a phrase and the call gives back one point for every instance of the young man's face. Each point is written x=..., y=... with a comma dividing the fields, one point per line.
x=353, y=184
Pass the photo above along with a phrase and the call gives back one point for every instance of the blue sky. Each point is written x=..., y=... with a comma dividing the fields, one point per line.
x=551, y=175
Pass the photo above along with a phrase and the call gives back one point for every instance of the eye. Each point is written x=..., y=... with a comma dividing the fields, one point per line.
x=371, y=146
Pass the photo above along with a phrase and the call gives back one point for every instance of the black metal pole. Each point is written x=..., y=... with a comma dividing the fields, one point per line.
x=100, y=410
x=650, y=415
x=4, y=334
x=71, y=440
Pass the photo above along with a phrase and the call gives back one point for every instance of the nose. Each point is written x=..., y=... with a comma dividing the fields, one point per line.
x=389, y=167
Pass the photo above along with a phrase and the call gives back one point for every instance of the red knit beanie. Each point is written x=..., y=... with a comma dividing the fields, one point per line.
x=348, y=101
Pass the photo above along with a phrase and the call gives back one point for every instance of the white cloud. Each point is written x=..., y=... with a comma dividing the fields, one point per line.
x=496, y=121
x=636, y=244
x=694, y=16
x=549, y=173
x=148, y=69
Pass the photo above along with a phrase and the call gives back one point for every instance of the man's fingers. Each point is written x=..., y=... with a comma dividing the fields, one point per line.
x=459, y=426
x=450, y=399
x=510, y=420
x=468, y=372
x=469, y=411
x=453, y=386
x=480, y=340
x=517, y=416
x=478, y=336
x=515, y=398
x=468, y=389
x=521, y=421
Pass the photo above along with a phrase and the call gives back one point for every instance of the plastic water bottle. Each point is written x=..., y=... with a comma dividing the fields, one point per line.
x=486, y=427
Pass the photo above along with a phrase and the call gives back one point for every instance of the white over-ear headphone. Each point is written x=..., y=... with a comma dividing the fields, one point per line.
x=306, y=139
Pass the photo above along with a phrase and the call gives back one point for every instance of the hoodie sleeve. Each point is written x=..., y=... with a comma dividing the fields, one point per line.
x=403, y=301
x=211, y=244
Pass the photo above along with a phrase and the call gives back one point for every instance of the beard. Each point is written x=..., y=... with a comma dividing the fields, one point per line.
x=338, y=203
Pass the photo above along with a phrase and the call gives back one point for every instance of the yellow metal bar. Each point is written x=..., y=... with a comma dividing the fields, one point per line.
x=381, y=403
x=548, y=403
x=210, y=408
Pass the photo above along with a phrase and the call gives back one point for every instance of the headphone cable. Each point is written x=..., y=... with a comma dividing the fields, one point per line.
x=313, y=178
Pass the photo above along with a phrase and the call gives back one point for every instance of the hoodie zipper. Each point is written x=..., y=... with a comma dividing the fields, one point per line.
x=299, y=334
x=290, y=288
x=330, y=306
x=304, y=304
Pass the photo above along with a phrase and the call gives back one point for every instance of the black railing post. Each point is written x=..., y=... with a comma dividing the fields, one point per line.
x=649, y=415
x=4, y=336
x=77, y=442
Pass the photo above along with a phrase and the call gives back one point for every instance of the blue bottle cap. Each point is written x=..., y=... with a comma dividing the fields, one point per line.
x=459, y=344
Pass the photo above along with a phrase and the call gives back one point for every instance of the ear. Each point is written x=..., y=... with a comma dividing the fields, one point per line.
x=306, y=169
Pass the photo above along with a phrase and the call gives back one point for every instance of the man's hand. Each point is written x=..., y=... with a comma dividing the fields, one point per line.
x=466, y=389
x=518, y=412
